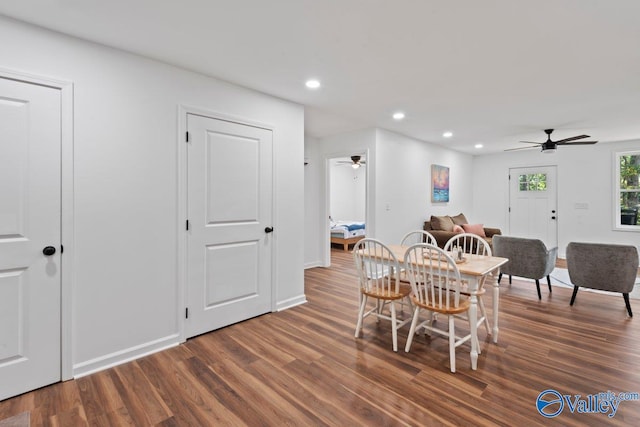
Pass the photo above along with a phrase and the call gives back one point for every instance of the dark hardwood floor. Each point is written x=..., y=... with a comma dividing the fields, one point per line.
x=303, y=367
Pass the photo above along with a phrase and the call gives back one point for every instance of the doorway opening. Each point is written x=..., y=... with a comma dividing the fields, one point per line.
x=346, y=201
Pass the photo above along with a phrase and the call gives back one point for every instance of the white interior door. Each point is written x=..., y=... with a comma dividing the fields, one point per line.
x=229, y=209
x=533, y=208
x=30, y=144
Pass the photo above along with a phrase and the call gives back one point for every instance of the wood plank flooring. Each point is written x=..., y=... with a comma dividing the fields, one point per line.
x=303, y=367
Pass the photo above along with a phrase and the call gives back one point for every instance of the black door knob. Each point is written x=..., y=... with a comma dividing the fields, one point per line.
x=268, y=230
x=553, y=217
x=49, y=250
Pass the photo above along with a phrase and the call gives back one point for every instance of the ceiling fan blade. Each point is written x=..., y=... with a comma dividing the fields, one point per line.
x=573, y=138
x=531, y=142
x=577, y=143
x=523, y=148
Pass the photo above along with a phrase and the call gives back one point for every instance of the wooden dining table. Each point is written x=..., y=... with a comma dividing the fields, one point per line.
x=474, y=269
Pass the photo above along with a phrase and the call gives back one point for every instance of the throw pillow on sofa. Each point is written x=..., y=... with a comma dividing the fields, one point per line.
x=474, y=229
x=459, y=219
x=444, y=223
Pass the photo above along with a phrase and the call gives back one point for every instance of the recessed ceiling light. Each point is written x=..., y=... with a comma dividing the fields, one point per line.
x=478, y=145
x=312, y=84
x=398, y=116
x=447, y=134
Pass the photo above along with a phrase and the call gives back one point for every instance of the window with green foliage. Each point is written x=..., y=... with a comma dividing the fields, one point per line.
x=532, y=182
x=628, y=189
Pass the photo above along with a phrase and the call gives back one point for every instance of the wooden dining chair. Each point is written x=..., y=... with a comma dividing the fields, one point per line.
x=469, y=243
x=411, y=238
x=435, y=283
x=418, y=236
x=379, y=275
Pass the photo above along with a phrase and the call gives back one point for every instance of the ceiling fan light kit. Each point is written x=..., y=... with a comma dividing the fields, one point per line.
x=354, y=163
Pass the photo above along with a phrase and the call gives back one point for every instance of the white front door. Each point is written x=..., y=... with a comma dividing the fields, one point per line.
x=229, y=200
x=533, y=208
x=30, y=201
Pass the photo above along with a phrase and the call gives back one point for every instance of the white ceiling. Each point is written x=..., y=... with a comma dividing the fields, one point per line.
x=492, y=71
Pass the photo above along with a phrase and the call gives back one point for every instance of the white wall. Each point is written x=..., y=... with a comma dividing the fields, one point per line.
x=347, y=191
x=125, y=283
x=403, y=190
x=585, y=175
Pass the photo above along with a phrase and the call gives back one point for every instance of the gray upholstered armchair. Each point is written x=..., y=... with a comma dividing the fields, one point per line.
x=603, y=266
x=527, y=258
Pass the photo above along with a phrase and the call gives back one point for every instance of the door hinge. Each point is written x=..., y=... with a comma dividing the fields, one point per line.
x=509, y=208
x=61, y=249
x=187, y=137
x=187, y=225
x=509, y=177
x=186, y=313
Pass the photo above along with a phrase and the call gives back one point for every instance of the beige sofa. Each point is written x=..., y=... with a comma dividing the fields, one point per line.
x=442, y=228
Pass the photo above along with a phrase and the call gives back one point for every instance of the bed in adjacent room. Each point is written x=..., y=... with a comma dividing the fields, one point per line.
x=346, y=233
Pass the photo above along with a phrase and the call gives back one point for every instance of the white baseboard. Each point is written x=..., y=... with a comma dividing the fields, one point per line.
x=291, y=302
x=313, y=264
x=123, y=356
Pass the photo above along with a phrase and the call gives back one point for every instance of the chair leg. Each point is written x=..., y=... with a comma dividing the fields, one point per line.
x=538, y=287
x=549, y=283
x=499, y=277
x=394, y=326
x=509, y=279
x=452, y=344
x=360, y=316
x=626, y=302
x=412, y=329
x=573, y=297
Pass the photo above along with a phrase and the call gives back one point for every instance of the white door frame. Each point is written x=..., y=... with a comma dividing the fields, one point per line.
x=67, y=196
x=181, y=279
x=326, y=234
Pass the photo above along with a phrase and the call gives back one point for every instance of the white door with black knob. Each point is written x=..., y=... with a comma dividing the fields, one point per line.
x=230, y=232
x=533, y=204
x=30, y=203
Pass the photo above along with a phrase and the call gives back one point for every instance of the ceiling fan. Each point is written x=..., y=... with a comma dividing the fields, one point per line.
x=355, y=162
x=550, y=146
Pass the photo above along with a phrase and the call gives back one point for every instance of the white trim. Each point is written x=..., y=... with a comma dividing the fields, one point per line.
x=124, y=356
x=615, y=217
x=312, y=264
x=67, y=236
x=291, y=302
x=181, y=256
x=181, y=250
